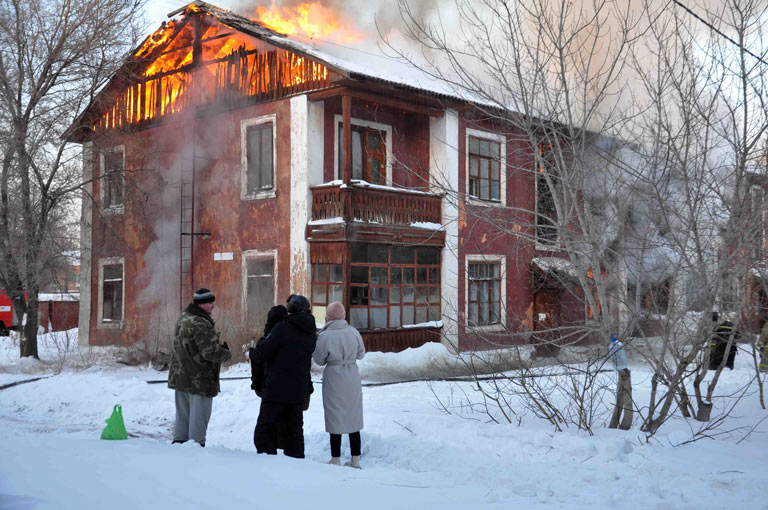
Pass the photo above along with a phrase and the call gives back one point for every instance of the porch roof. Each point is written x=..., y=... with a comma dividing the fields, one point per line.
x=560, y=270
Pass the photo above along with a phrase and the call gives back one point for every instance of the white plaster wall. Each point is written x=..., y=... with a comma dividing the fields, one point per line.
x=300, y=197
x=444, y=174
x=315, y=144
x=86, y=222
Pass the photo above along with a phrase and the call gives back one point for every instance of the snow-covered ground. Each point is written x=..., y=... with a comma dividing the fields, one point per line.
x=414, y=454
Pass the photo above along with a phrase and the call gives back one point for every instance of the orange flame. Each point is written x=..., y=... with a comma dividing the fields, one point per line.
x=230, y=64
x=310, y=19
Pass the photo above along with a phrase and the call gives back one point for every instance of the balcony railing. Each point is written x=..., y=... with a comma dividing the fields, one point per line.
x=374, y=205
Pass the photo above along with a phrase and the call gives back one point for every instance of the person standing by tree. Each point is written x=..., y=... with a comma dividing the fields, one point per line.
x=762, y=344
x=194, y=368
x=288, y=353
x=339, y=346
x=723, y=343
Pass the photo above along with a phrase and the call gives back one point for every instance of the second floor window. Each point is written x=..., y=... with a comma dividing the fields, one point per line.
x=113, y=180
x=259, y=158
x=546, y=212
x=484, y=169
x=369, y=161
x=757, y=214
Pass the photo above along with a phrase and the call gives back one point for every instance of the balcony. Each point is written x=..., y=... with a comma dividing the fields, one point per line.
x=363, y=212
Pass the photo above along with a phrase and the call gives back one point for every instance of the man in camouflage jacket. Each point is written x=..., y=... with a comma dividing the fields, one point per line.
x=194, y=368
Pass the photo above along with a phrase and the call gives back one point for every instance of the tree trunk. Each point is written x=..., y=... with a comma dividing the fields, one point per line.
x=623, y=402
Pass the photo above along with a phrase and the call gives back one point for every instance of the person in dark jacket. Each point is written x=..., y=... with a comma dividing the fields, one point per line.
x=287, y=351
x=194, y=368
x=276, y=314
x=720, y=343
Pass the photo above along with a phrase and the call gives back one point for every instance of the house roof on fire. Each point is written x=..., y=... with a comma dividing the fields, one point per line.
x=353, y=63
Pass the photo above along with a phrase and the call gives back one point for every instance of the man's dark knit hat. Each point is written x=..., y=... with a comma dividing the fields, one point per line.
x=203, y=296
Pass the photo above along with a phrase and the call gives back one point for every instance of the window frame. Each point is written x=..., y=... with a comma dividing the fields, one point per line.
x=319, y=308
x=385, y=128
x=502, y=141
x=245, y=125
x=261, y=255
x=415, y=304
x=758, y=250
x=487, y=259
x=109, y=323
x=110, y=209
x=539, y=245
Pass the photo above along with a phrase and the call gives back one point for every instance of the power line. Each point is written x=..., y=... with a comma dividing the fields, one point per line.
x=712, y=27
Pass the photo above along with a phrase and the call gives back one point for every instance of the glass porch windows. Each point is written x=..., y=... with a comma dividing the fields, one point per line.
x=484, y=303
x=368, y=154
x=327, y=287
x=394, y=286
x=484, y=169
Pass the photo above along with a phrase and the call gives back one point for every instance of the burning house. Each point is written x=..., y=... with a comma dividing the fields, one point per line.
x=225, y=154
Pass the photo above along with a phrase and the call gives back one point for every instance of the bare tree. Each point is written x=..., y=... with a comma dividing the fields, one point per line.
x=54, y=56
x=643, y=140
x=701, y=134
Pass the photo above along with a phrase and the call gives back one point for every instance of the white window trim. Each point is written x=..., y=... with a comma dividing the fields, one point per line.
x=100, y=322
x=502, y=259
x=244, y=125
x=539, y=246
x=337, y=120
x=487, y=135
x=116, y=209
x=256, y=255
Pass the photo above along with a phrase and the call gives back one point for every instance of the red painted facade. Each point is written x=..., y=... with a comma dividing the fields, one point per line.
x=142, y=238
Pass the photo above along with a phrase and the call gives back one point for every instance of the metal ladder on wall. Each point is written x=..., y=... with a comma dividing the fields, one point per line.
x=186, y=230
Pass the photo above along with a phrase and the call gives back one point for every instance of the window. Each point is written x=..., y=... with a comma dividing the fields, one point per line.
x=485, y=164
x=653, y=296
x=327, y=287
x=112, y=165
x=393, y=286
x=546, y=212
x=484, y=169
x=730, y=299
x=258, y=157
x=484, y=303
x=259, y=287
x=485, y=291
x=368, y=154
x=757, y=212
x=111, y=292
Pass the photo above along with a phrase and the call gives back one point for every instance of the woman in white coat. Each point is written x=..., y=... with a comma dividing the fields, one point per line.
x=339, y=346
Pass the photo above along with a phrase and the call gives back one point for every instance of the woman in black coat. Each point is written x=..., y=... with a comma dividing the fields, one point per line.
x=258, y=370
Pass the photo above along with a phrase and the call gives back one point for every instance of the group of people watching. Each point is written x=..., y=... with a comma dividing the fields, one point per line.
x=280, y=361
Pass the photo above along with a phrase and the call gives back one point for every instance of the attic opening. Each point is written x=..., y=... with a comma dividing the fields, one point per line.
x=198, y=61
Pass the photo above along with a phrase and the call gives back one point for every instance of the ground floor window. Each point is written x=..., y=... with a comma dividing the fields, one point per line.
x=111, y=291
x=327, y=287
x=484, y=300
x=393, y=286
x=259, y=291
